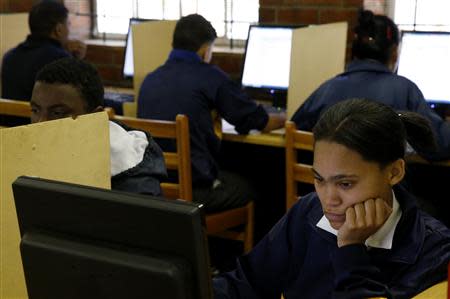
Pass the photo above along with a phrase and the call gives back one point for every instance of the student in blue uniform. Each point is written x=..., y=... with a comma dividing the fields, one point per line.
x=370, y=75
x=360, y=234
x=48, y=41
x=188, y=84
x=70, y=87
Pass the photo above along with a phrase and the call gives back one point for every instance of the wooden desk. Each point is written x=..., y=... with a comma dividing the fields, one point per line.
x=438, y=291
x=275, y=139
x=268, y=139
x=419, y=160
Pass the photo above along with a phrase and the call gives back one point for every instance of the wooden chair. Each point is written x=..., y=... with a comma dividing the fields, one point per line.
x=296, y=172
x=219, y=224
x=15, y=108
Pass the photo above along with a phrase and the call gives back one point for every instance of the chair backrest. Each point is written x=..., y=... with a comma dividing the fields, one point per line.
x=296, y=172
x=180, y=160
x=15, y=108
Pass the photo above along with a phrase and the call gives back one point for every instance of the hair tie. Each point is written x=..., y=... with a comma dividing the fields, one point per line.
x=388, y=33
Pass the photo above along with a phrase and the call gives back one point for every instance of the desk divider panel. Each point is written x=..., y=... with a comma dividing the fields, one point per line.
x=13, y=30
x=152, y=43
x=317, y=54
x=75, y=151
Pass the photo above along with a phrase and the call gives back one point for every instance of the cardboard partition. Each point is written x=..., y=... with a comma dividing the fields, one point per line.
x=75, y=151
x=317, y=54
x=13, y=30
x=152, y=43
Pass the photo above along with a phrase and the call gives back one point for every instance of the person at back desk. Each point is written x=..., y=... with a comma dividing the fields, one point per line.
x=48, y=41
x=370, y=75
x=188, y=84
x=70, y=87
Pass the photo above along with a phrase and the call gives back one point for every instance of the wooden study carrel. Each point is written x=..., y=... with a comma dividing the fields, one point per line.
x=152, y=43
x=75, y=151
x=317, y=54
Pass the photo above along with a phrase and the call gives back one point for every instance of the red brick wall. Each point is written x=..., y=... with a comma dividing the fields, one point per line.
x=310, y=12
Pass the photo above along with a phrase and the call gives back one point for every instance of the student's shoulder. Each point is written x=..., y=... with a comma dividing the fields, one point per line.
x=404, y=82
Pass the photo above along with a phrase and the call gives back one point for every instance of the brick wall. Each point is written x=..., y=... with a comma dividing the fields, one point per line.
x=109, y=59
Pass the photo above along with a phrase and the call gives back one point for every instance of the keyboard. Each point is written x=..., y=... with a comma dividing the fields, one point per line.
x=118, y=97
x=115, y=100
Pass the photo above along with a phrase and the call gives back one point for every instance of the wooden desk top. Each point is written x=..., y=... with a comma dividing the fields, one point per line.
x=438, y=291
x=419, y=160
x=268, y=139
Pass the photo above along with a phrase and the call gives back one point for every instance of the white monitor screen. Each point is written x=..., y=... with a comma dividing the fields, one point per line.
x=128, y=63
x=425, y=60
x=267, y=58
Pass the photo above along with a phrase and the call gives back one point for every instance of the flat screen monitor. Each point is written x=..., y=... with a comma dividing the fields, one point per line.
x=84, y=242
x=267, y=60
x=128, y=61
x=425, y=60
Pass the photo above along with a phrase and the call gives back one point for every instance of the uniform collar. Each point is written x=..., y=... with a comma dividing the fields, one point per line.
x=384, y=236
x=37, y=40
x=366, y=65
x=184, y=55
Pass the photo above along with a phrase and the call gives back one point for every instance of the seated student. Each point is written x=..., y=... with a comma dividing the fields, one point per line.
x=370, y=75
x=48, y=41
x=70, y=87
x=188, y=84
x=360, y=234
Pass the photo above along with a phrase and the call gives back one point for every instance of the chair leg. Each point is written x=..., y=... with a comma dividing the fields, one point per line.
x=249, y=228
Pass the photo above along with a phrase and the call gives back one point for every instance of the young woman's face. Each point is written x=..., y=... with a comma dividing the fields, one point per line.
x=343, y=179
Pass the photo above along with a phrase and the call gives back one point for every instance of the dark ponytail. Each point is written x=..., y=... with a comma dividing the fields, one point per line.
x=374, y=38
x=419, y=133
x=374, y=130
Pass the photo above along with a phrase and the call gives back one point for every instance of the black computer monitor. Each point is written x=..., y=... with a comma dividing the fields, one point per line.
x=267, y=60
x=425, y=60
x=128, y=61
x=84, y=242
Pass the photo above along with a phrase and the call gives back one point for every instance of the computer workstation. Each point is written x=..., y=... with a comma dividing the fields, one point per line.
x=425, y=60
x=266, y=65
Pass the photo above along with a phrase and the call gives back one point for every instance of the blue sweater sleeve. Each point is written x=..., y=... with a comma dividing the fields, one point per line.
x=238, y=109
x=355, y=276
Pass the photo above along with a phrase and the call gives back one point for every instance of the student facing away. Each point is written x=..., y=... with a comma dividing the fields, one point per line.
x=360, y=234
x=48, y=41
x=370, y=75
x=70, y=87
x=188, y=84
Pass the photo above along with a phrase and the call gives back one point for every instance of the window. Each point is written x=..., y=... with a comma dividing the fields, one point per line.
x=230, y=18
x=422, y=15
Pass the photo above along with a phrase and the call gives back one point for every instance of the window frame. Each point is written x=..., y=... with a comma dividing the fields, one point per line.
x=391, y=7
x=220, y=41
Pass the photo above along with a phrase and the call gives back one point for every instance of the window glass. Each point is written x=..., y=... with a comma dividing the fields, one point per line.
x=230, y=18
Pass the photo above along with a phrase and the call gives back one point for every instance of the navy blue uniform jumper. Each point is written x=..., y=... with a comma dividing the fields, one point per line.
x=21, y=65
x=301, y=260
x=187, y=85
x=372, y=80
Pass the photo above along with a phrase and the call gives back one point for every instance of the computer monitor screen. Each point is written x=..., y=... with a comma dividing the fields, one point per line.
x=128, y=62
x=425, y=60
x=84, y=242
x=267, y=57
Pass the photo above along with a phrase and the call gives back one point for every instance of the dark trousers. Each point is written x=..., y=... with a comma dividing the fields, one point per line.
x=229, y=191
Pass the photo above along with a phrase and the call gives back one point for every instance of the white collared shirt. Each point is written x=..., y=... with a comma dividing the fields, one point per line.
x=384, y=235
